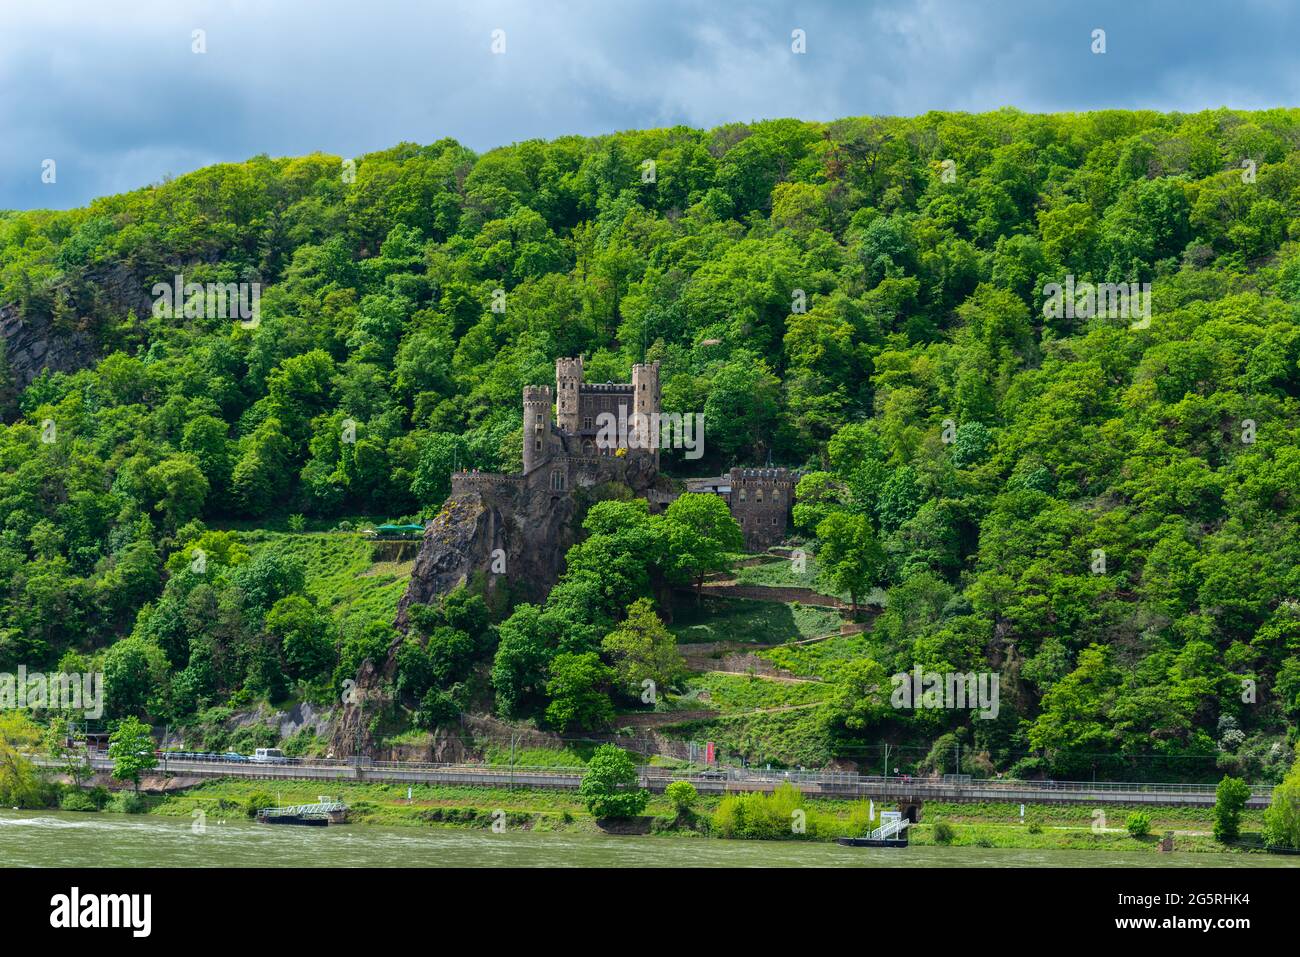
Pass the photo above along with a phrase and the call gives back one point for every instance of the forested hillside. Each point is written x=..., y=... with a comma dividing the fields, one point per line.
x=1104, y=515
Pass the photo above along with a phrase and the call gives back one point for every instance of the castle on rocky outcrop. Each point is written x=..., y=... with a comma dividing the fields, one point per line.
x=577, y=437
x=509, y=533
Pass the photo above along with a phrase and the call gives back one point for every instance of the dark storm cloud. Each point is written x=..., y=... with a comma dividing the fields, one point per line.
x=113, y=93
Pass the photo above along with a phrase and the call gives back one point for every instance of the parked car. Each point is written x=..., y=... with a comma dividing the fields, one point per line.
x=234, y=756
x=712, y=775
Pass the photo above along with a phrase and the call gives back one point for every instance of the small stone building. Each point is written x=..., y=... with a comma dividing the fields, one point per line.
x=760, y=501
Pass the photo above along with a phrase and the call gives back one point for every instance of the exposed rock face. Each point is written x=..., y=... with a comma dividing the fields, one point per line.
x=287, y=723
x=33, y=340
x=304, y=715
x=352, y=733
x=33, y=345
x=506, y=533
x=444, y=747
x=511, y=542
x=513, y=531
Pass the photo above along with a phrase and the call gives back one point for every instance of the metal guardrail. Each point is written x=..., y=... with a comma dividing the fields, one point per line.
x=827, y=780
x=890, y=829
x=319, y=809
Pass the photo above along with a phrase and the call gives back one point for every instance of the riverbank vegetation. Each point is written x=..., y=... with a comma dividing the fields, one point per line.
x=995, y=825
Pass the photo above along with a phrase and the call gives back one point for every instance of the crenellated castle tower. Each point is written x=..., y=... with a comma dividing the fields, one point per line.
x=568, y=392
x=645, y=405
x=537, y=425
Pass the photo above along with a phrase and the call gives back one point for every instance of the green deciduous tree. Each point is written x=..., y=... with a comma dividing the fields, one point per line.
x=701, y=535
x=849, y=556
x=19, y=780
x=131, y=749
x=579, y=688
x=1282, y=816
x=1230, y=799
x=610, y=787
x=642, y=649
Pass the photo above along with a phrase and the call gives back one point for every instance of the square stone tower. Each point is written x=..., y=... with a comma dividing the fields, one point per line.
x=568, y=390
x=537, y=426
x=646, y=402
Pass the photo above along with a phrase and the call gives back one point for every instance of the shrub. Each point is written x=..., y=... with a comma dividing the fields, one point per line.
x=609, y=787
x=683, y=795
x=769, y=817
x=860, y=822
x=248, y=739
x=127, y=802
x=77, y=800
x=1230, y=799
x=300, y=743
x=1034, y=828
x=1138, y=824
x=1282, y=816
x=257, y=801
x=436, y=707
x=944, y=833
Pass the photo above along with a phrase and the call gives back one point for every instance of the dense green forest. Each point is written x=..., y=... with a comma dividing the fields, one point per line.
x=1104, y=515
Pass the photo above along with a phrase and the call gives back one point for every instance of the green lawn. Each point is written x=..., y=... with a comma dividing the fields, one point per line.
x=340, y=573
x=783, y=739
x=823, y=659
x=499, y=755
x=987, y=825
x=738, y=619
x=731, y=693
x=784, y=573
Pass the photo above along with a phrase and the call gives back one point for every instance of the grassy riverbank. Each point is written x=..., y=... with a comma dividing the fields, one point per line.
x=1046, y=826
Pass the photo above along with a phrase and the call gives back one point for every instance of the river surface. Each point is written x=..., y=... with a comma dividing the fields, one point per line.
x=67, y=839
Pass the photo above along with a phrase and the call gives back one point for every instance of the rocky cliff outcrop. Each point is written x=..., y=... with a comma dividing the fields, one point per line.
x=506, y=535
x=33, y=344
x=513, y=535
x=33, y=341
x=513, y=542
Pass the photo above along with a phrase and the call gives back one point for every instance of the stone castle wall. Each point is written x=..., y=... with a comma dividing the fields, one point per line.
x=761, y=501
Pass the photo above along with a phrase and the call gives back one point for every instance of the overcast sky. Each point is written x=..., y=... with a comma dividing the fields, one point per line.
x=112, y=92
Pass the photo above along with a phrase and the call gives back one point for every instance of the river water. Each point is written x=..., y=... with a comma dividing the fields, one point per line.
x=66, y=839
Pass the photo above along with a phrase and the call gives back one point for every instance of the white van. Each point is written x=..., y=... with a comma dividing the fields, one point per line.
x=268, y=756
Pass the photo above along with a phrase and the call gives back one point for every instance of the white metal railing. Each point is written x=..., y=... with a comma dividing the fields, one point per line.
x=304, y=810
x=890, y=828
x=827, y=779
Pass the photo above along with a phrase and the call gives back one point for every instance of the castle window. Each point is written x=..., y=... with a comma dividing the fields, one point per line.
x=776, y=495
x=586, y=422
x=557, y=481
x=742, y=494
x=758, y=496
x=539, y=445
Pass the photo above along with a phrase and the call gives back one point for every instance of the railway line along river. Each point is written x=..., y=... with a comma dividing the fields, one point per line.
x=67, y=839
